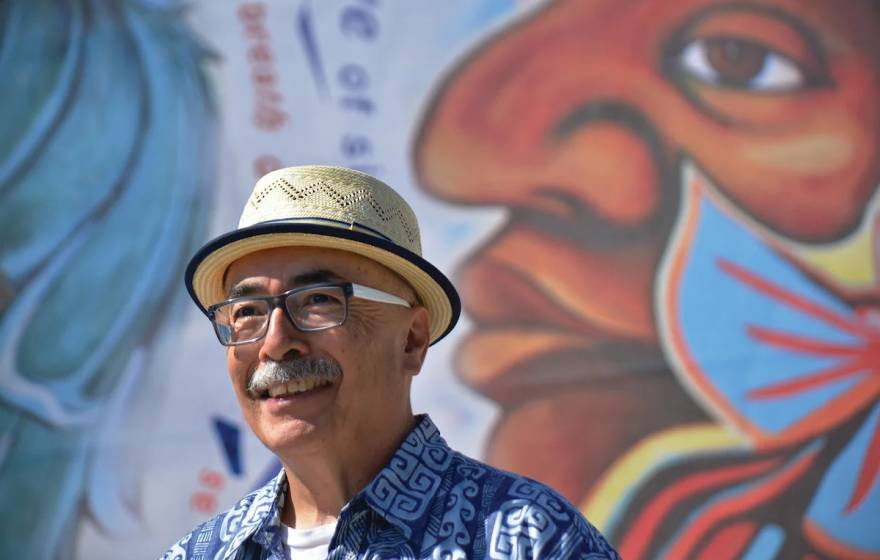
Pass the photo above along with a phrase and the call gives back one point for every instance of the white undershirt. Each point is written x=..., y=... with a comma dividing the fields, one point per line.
x=308, y=544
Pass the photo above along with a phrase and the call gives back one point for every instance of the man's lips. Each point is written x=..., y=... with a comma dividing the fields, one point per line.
x=293, y=389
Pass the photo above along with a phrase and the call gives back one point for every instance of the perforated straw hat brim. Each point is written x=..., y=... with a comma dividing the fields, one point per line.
x=353, y=217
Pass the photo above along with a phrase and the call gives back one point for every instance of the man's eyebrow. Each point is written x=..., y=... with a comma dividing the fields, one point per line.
x=246, y=288
x=243, y=289
x=313, y=277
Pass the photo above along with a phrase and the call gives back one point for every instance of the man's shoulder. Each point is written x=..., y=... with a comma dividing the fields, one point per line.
x=517, y=509
x=504, y=486
x=227, y=530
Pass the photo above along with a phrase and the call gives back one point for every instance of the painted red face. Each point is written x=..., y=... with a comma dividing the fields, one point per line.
x=580, y=120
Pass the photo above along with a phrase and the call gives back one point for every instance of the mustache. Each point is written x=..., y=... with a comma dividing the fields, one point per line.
x=297, y=369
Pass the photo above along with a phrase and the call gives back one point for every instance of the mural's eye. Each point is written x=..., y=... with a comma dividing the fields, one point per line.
x=738, y=63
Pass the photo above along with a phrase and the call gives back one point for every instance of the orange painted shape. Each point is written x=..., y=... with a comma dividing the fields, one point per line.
x=645, y=529
x=729, y=542
x=738, y=504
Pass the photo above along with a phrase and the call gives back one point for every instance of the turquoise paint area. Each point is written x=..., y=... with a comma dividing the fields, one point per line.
x=766, y=544
x=857, y=528
x=718, y=313
x=475, y=17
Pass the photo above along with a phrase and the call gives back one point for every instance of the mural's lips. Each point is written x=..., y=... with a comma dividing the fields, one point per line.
x=496, y=293
x=513, y=364
x=530, y=276
x=525, y=342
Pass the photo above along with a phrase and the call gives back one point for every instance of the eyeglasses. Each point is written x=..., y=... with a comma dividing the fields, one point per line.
x=313, y=308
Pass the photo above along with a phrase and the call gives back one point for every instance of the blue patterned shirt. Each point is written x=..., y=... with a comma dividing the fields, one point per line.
x=428, y=502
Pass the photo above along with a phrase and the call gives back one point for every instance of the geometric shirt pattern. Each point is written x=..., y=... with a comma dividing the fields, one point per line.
x=427, y=502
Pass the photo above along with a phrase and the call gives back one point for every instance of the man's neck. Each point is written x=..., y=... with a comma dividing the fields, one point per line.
x=321, y=483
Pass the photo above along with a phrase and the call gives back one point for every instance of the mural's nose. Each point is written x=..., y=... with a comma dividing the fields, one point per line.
x=607, y=164
x=546, y=130
x=598, y=162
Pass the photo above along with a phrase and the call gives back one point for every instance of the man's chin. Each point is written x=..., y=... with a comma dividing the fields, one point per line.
x=290, y=419
x=287, y=435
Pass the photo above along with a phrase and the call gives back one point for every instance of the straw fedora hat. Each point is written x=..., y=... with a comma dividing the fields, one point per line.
x=335, y=208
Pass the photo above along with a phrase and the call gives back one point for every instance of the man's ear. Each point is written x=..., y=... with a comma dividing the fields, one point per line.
x=417, y=339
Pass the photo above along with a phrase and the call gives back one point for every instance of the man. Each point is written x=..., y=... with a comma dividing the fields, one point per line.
x=689, y=256
x=327, y=310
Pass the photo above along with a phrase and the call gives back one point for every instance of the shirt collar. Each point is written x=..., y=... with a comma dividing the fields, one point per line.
x=258, y=516
x=403, y=490
x=401, y=493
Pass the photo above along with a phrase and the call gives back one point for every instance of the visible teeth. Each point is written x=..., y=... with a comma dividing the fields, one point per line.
x=294, y=387
x=276, y=390
x=300, y=386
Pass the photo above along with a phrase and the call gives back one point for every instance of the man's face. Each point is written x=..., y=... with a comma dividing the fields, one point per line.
x=580, y=120
x=372, y=349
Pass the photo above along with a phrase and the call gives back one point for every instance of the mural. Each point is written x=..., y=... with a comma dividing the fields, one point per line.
x=663, y=217
x=104, y=159
x=681, y=309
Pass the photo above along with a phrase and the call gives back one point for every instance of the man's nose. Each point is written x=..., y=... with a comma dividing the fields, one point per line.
x=283, y=340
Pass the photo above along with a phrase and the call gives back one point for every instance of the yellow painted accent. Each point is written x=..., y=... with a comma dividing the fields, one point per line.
x=628, y=471
x=850, y=262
